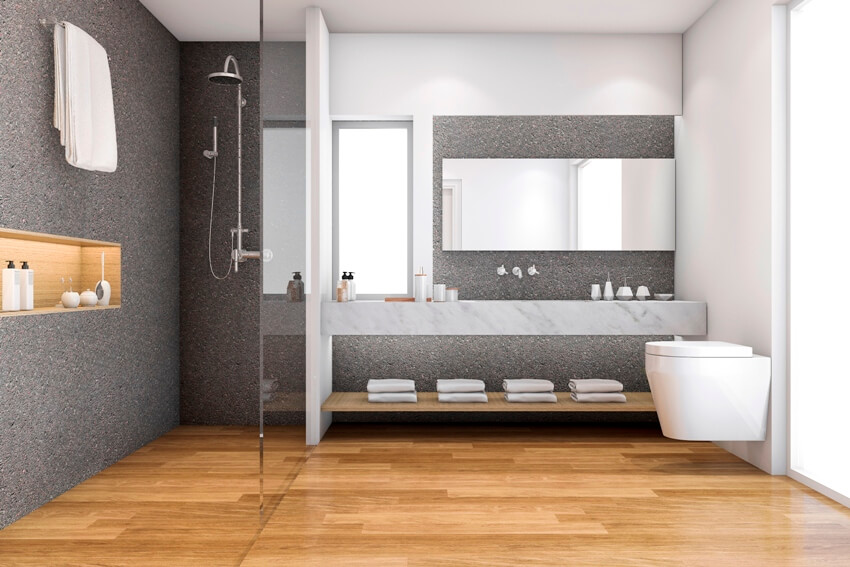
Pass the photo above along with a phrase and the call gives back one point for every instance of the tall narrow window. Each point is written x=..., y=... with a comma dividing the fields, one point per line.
x=373, y=206
x=819, y=205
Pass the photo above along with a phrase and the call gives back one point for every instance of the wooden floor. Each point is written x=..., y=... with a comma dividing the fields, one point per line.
x=433, y=496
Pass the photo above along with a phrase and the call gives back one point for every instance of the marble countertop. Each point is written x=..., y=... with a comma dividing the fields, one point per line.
x=687, y=318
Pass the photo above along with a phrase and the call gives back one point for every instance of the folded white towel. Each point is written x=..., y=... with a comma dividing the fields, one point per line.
x=595, y=385
x=460, y=385
x=548, y=397
x=391, y=385
x=393, y=397
x=462, y=397
x=84, y=111
x=615, y=397
x=528, y=385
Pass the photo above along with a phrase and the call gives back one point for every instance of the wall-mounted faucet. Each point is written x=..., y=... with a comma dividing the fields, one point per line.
x=517, y=271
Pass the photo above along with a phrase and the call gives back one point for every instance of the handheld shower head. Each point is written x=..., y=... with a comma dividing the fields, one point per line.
x=226, y=77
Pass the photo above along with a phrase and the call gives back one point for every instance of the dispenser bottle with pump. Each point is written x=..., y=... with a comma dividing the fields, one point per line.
x=11, y=287
x=27, y=287
x=352, y=288
x=608, y=294
x=342, y=290
x=420, y=286
x=295, y=289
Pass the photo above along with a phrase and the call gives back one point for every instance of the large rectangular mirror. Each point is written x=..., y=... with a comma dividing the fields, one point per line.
x=559, y=204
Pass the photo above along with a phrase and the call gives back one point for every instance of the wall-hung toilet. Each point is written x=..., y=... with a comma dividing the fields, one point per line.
x=709, y=390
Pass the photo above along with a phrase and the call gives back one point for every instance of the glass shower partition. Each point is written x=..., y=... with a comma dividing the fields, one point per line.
x=282, y=314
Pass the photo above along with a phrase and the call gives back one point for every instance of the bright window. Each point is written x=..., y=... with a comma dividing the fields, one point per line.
x=372, y=189
x=819, y=205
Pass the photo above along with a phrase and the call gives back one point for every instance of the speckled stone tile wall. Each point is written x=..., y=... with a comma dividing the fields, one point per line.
x=79, y=391
x=563, y=275
x=219, y=319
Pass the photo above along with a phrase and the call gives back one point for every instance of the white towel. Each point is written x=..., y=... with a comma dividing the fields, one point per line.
x=532, y=397
x=390, y=385
x=528, y=385
x=84, y=111
x=393, y=397
x=460, y=385
x=462, y=397
x=595, y=386
x=598, y=397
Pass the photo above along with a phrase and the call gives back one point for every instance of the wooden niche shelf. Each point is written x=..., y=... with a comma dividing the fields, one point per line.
x=54, y=257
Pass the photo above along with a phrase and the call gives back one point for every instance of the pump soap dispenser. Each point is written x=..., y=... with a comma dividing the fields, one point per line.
x=11, y=288
x=27, y=287
x=608, y=294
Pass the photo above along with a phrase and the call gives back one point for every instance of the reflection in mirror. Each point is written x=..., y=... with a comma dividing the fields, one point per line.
x=559, y=204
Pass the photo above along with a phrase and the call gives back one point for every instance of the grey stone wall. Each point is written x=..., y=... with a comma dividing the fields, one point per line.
x=79, y=391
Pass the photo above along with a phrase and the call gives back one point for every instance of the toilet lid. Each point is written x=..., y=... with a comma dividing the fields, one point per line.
x=699, y=349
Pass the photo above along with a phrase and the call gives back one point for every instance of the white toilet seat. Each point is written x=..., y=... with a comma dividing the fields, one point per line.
x=699, y=349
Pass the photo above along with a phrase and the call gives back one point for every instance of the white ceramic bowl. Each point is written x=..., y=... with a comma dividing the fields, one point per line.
x=663, y=296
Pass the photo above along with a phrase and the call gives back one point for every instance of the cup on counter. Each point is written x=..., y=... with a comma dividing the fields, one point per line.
x=596, y=292
x=439, y=292
x=452, y=294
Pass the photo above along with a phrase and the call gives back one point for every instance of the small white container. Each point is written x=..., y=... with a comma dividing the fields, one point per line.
x=70, y=299
x=452, y=294
x=88, y=298
x=595, y=292
x=439, y=292
x=642, y=293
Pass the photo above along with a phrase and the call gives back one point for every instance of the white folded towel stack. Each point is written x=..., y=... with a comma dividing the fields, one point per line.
x=531, y=397
x=391, y=390
x=461, y=391
x=529, y=390
x=83, y=110
x=597, y=391
x=462, y=397
x=528, y=385
x=595, y=386
x=393, y=397
x=598, y=397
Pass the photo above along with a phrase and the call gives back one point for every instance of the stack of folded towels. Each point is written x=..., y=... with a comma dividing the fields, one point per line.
x=596, y=390
x=391, y=390
x=461, y=390
x=529, y=390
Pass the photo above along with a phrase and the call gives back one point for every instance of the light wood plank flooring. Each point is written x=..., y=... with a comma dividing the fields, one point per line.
x=433, y=496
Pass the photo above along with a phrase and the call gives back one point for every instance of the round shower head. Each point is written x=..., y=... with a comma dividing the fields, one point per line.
x=226, y=77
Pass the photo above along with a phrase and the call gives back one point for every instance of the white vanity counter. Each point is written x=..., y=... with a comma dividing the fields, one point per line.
x=515, y=318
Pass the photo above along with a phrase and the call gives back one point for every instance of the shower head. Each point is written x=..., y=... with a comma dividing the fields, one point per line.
x=225, y=77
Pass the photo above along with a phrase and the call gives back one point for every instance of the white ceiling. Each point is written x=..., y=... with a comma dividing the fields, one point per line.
x=238, y=20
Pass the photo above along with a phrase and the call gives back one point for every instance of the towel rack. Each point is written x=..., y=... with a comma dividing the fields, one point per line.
x=50, y=22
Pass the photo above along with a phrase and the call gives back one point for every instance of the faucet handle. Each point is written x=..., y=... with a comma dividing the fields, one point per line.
x=532, y=271
x=501, y=270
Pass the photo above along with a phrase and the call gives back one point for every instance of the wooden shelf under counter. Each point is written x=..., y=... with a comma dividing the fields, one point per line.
x=427, y=402
x=52, y=257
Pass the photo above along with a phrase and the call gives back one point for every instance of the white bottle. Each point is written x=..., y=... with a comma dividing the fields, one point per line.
x=352, y=287
x=420, y=286
x=27, y=287
x=608, y=294
x=11, y=288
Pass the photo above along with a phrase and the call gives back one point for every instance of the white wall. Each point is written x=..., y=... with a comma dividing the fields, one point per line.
x=725, y=192
x=422, y=75
x=319, y=225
